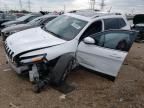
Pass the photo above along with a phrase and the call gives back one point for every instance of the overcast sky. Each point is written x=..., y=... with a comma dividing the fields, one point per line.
x=51, y=5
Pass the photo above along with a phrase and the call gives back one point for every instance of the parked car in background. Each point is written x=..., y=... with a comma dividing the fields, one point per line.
x=40, y=21
x=22, y=20
x=84, y=38
x=138, y=24
x=4, y=18
x=19, y=14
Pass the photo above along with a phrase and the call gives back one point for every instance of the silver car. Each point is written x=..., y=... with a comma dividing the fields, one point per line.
x=34, y=23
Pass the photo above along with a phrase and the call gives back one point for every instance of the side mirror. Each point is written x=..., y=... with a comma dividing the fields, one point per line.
x=89, y=40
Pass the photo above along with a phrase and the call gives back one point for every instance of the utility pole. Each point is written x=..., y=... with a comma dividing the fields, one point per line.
x=0, y=4
x=110, y=9
x=102, y=4
x=20, y=3
x=132, y=11
x=92, y=4
x=41, y=9
x=6, y=8
x=64, y=8
x=29, y=5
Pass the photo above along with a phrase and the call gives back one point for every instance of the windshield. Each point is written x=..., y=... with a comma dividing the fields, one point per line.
x=24, y=17
x=36, y=21
x=65, y=27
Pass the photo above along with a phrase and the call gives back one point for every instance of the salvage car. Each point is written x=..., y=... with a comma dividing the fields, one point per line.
x=52, y=51
x=22, y=20
x=40, y=21
x=4, y=18
x=138, y=22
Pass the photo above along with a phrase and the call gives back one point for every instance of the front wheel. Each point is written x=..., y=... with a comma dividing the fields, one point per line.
x=62, y=68
x=68, y=69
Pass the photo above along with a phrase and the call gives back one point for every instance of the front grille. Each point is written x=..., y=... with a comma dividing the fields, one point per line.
x=8, y=51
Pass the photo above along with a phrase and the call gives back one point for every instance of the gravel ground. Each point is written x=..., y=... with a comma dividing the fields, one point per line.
x=92, y=91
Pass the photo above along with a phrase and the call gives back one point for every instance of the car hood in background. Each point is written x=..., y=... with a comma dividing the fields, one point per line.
x=11, y=22
x=18, y=27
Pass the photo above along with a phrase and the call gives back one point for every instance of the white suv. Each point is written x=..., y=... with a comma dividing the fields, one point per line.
x=80, y=38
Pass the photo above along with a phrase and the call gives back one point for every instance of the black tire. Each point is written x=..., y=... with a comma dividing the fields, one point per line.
x=36, y=89
x=67, y=70
x=61, y=70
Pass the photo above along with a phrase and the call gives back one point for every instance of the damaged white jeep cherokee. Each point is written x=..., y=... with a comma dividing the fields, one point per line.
x=50, y=52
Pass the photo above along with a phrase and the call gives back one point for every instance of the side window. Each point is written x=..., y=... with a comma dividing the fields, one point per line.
x=38, y=22
x=92, y=29
x=47, y=20
x=31, y=18
x=115, y=40
x=99, y=39
x=114, y=23
x=118, y=41
x=121, y=22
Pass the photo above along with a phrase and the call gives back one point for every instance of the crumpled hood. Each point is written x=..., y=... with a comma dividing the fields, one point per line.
x=11, y=22
x=18, y=27
x=31, y=39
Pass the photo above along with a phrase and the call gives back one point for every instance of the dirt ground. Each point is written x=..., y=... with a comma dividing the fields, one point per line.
x=92, y=91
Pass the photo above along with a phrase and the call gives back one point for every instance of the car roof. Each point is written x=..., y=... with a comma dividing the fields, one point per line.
x=88, y=15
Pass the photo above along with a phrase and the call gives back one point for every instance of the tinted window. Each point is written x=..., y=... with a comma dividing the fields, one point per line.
x=92, y=29
x=31, y=18
x=114, y=23
x=121, y=22
x=115, y=40
x=24, y=17
x=47, y=20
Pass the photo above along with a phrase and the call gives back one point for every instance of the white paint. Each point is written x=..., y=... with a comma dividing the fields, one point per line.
x=96, y=58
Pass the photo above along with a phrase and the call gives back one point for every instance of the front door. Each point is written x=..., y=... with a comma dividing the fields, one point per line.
x=108, y=52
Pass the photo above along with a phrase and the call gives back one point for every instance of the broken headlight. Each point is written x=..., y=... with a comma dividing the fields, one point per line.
x=33, y=59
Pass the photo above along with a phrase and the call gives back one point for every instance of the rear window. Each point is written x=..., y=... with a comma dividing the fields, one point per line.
x=114, y=23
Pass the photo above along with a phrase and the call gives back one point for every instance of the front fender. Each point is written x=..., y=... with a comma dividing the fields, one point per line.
x=59, y=68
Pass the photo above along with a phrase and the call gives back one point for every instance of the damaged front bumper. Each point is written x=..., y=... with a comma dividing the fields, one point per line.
x=18, y=70
x=31, y=71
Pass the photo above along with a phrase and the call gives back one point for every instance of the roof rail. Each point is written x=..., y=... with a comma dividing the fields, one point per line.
x=105, y=14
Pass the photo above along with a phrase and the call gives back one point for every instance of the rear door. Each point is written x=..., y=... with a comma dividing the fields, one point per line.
x=108, y=53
